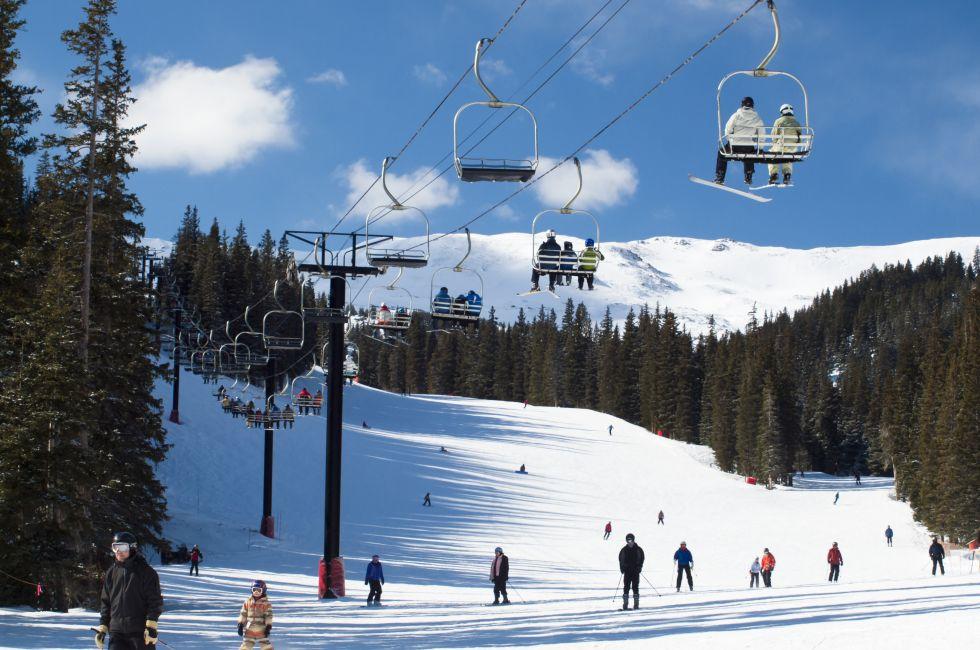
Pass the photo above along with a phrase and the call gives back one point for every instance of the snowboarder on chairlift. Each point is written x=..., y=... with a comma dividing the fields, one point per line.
x=474, y=303
x=588, y=261
x=786, y=136
x=549, y=254
x=742, y=132
x=499, y=574
x=442, y=302
x=631, y=565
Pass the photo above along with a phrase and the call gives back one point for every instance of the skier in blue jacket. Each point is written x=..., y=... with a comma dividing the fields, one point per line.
x=375, y=576
x=442, y=302
x=685, y=561
x=474, y=303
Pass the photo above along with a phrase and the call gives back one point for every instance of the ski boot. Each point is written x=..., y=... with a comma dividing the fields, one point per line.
x=535, y=287
x=773, y=179
x=626, y=605
x=506, y=602
x=636, y=602
x=720, y=180
x=748, y=179
x=786, y=179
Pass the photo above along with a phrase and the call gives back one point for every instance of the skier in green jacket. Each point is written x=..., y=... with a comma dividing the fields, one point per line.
x=786, y=135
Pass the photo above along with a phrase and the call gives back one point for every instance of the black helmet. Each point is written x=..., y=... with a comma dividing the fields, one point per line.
x=124, y=537
x=630, y=537
x=748, y=101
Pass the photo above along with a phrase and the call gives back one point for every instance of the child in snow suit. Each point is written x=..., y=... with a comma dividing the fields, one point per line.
x=754, y=572
x=374, y=576
x=836, y=561
x=499, y=573
x=255, y=619
x=631, y=565
x=768, y=564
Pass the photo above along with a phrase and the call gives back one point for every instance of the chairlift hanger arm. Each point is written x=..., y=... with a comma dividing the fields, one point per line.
x=760, y=70
x=567, y=209
x=476, y=70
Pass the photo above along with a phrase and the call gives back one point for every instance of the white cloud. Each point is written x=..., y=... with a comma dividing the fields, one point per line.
x=206, y=119
x=429, y=74
x=606, y=181
x=494, y=69
x=589, y=64
x=330, y=76
x=359, y=176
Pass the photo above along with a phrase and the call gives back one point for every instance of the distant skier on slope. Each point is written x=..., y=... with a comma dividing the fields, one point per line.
x=660, y=518
x=836, y=497
x=768, y=565
x=374, y=576
x=499, y=574
x=685, y=562
x=610, y=429
x=937, y=553
x=196, y=557
x=836, y=561
x=427, y=501
x=889, y=533
x=631, y=565
x=608, y=530
x=754, y=572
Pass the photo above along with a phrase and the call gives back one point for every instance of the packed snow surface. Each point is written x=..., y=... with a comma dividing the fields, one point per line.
x=695, y=278
x=564, y=576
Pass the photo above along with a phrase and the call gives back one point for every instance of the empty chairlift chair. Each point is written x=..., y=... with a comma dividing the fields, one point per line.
x=474, y=169
x=412, y=257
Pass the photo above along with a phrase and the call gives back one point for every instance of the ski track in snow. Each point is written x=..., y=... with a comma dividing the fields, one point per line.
x=549, y=522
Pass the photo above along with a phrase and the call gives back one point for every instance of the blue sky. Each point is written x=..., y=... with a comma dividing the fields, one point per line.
x=276, y=113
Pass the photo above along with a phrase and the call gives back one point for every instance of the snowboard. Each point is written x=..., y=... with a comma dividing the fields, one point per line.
x=534, y=291
x=771, y=186
x=748, y=195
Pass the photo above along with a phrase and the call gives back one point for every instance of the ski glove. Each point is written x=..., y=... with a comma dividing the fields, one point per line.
x=241, y=629
x=100, y=636
x=268, y=630
x=150, y=633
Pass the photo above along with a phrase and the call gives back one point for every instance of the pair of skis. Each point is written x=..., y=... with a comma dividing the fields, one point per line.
x=748, y=195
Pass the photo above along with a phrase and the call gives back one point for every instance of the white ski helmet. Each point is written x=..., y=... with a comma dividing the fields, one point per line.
x=551, y=234
x=786, y=109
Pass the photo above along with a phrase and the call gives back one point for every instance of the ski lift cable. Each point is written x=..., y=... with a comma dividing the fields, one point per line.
x=426, y=121
x=663, y=81
x=551, y=76
x=405, y=195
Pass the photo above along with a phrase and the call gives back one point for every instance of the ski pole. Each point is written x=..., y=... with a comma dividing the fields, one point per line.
x=616, y=593
x=514, y=589
x=651, y=586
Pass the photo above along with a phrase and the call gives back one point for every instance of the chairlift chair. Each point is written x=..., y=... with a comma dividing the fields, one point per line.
x=352, y=357
x=312, y=313
x=546, y=262
x=413, y=257
x=447, y=308
x=277, y=320
x=769, y=146
x=398, y=316
x=245, y=353
x=492, y=169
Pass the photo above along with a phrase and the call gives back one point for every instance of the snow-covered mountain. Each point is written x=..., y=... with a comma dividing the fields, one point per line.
x=695, y=278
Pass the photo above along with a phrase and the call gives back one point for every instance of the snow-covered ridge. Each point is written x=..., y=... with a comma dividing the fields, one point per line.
x=695, y=278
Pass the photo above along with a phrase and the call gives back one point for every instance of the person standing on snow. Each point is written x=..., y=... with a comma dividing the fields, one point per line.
x=768, y=564
x=754, y=572
x=427, y=501
x=660, y=518
x=374, y=576
x=889, y=534
x=631, y=565
x=685, y=562
x=255, y=619
x=608, y=530
x=196, y=557
x=937, y=553
x=836, y=497
x=499, y=573
x=742, y=130
x=836, y=561
x=786, y=136
x=131, y=600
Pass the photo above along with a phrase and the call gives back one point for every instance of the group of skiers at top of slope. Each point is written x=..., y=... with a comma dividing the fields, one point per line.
x=469, y=304
x=744, y=130
x=558, y=262
x=131, y=600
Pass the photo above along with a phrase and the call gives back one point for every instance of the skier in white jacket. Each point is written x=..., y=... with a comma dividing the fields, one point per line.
x=743, y=129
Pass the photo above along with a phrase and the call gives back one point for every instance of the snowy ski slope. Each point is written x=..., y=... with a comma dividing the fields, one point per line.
x=548, y=521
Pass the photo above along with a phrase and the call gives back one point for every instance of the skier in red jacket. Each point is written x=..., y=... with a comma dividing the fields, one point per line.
x=836, y=561
x=608, y=530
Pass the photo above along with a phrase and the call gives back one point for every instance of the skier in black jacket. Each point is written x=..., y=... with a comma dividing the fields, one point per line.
x=131, y=600
x=630, y=565
x=937, y=553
